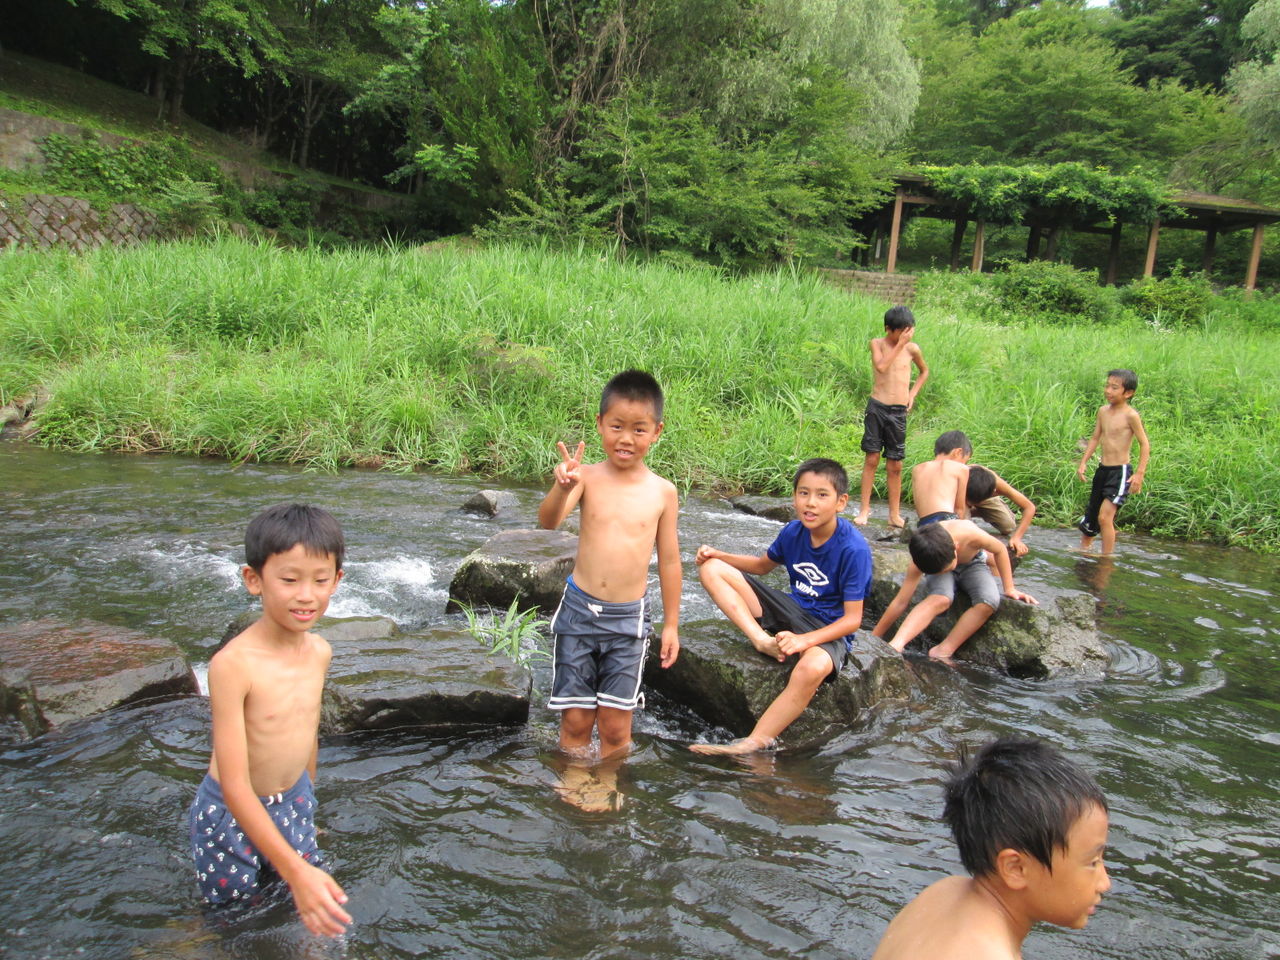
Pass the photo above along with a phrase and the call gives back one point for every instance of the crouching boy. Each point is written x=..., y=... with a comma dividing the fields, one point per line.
x=1031, y=828
x=829, y=565
x=950, y=553
x=253, y=817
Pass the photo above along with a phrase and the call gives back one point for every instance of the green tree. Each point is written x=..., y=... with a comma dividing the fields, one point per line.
x=184, y=34
x=1192, y=41
x=1256, y=82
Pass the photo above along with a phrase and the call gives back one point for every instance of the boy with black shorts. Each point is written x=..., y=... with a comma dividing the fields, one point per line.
x=829, y=564
x=1116, y=427
x=1031, y=828
x=602, y=626
x=892, y=396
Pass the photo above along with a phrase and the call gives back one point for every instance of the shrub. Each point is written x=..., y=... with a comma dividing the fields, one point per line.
x=1179, y=299
x=1054, y=292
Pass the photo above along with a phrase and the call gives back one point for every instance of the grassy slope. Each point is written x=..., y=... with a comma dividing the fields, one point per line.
x=465, y=360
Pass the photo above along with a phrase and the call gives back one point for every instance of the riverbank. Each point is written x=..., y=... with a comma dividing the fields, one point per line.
x=478, y=360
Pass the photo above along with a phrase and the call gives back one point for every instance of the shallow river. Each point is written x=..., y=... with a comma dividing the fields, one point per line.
x=457, y=846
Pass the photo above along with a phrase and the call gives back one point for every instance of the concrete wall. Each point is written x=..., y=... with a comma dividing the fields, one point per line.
x=42, y=220
x=890, y=287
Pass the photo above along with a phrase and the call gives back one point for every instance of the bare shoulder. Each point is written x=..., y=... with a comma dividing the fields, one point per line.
x=945, y=922
x=914, y=350
x=320, y=647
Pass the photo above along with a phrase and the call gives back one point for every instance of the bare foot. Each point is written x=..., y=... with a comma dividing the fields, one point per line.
x=745, y=745
x=897, y=523
x=588, y=792
x=769, y=647
x=862, y=518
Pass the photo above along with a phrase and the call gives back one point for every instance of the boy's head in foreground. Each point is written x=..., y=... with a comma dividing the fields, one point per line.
x=1029, y=820
x=898, y=318
x=951, y=441
x=630, y=417
x=819, y=491
x=293, y=560
x=932, y=549
x=1121, y=385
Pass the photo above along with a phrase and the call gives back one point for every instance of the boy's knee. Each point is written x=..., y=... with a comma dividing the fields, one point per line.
x=813, y=667
x=577, y=722
x=937, y=602
x=893, y=467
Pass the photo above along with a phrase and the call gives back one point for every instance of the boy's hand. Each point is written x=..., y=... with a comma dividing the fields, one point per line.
x=790, y=643
x=704, y=554
x=1135, y=483
x=319, y=901
x=670, y=646
x=568, y=471
x=1024, y=597
x=1017, y=546
x=1080, y=472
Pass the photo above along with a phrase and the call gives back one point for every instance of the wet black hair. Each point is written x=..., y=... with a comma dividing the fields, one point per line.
x=633, y=385
x=932, y=548
x=282, y=527
x=981, y=486
x=825, y=468
x=1128, y=379
x=1015, y=794
x=899, y=318
x=953, y=440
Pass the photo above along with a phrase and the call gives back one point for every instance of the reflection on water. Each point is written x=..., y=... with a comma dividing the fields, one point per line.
x=460, y=847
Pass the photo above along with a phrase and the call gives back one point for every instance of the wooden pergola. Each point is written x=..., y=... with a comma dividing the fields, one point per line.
x=1212, y=215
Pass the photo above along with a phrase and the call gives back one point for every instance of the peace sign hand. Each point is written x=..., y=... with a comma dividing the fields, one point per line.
x=569, y=470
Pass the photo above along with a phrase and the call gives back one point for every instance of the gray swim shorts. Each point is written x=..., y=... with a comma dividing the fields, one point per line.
x=975, y=580
x=599, y=651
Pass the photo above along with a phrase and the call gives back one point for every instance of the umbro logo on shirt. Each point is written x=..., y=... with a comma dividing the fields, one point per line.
x=811, y=573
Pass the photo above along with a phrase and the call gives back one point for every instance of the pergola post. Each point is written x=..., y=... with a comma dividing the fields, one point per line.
x=894, y=231
x=1210, y=248
x=1153, y=241
x=1033, y=243
x=957, y=237
x=979, y=245
x=1113, y=255
x=1051, y=247
x=1255, y=254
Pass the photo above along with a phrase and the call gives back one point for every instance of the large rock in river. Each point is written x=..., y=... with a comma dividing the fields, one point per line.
x=381, y=678
x=722, y=678
x=529, y=564
x=1061, y=634
x=52, y=673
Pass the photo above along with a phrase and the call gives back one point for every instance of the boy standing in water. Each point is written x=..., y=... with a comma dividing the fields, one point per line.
x=829, y=564
x=892, y=395
x=254, y=813
x=1031, y=828
x=1117, y=425
x=602, y=627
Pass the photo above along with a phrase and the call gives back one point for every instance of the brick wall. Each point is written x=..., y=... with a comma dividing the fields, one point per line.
x=889, y=287
x=42, y=220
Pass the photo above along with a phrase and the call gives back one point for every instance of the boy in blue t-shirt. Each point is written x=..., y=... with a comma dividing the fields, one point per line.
x=829, y=564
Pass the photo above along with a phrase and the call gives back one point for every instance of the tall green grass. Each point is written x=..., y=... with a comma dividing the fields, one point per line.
x=477, y=361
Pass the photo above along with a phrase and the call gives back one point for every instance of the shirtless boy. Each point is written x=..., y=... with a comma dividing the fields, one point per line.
x=1031, y=828
x=1117, y=426
x=829, y=565
x=892, y=395
x=990, y=506
x=602, y=626
x=254, y=814
x=938, y=485
x=950, y=552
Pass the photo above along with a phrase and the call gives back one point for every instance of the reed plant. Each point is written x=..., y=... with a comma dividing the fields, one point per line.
x=478, y=360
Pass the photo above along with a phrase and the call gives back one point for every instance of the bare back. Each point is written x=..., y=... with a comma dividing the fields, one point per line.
x=953, y=919
x=620, y=513
x=276, y=691
x=939, y=485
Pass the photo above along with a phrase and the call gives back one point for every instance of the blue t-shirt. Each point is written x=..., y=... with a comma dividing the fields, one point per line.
x=823, y=579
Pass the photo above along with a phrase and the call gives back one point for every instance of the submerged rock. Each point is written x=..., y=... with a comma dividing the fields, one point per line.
x=529, y=564
x=52, y=673
x=490, y=502
x=772, y=508
x=724, y=680
x=381, y=679
x=1058, y=635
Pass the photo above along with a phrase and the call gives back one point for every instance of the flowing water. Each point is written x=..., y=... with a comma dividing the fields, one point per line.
x=457, y=845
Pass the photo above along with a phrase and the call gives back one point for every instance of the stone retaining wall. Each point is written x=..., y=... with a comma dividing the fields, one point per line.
x=42, y=220
x=890, y=287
